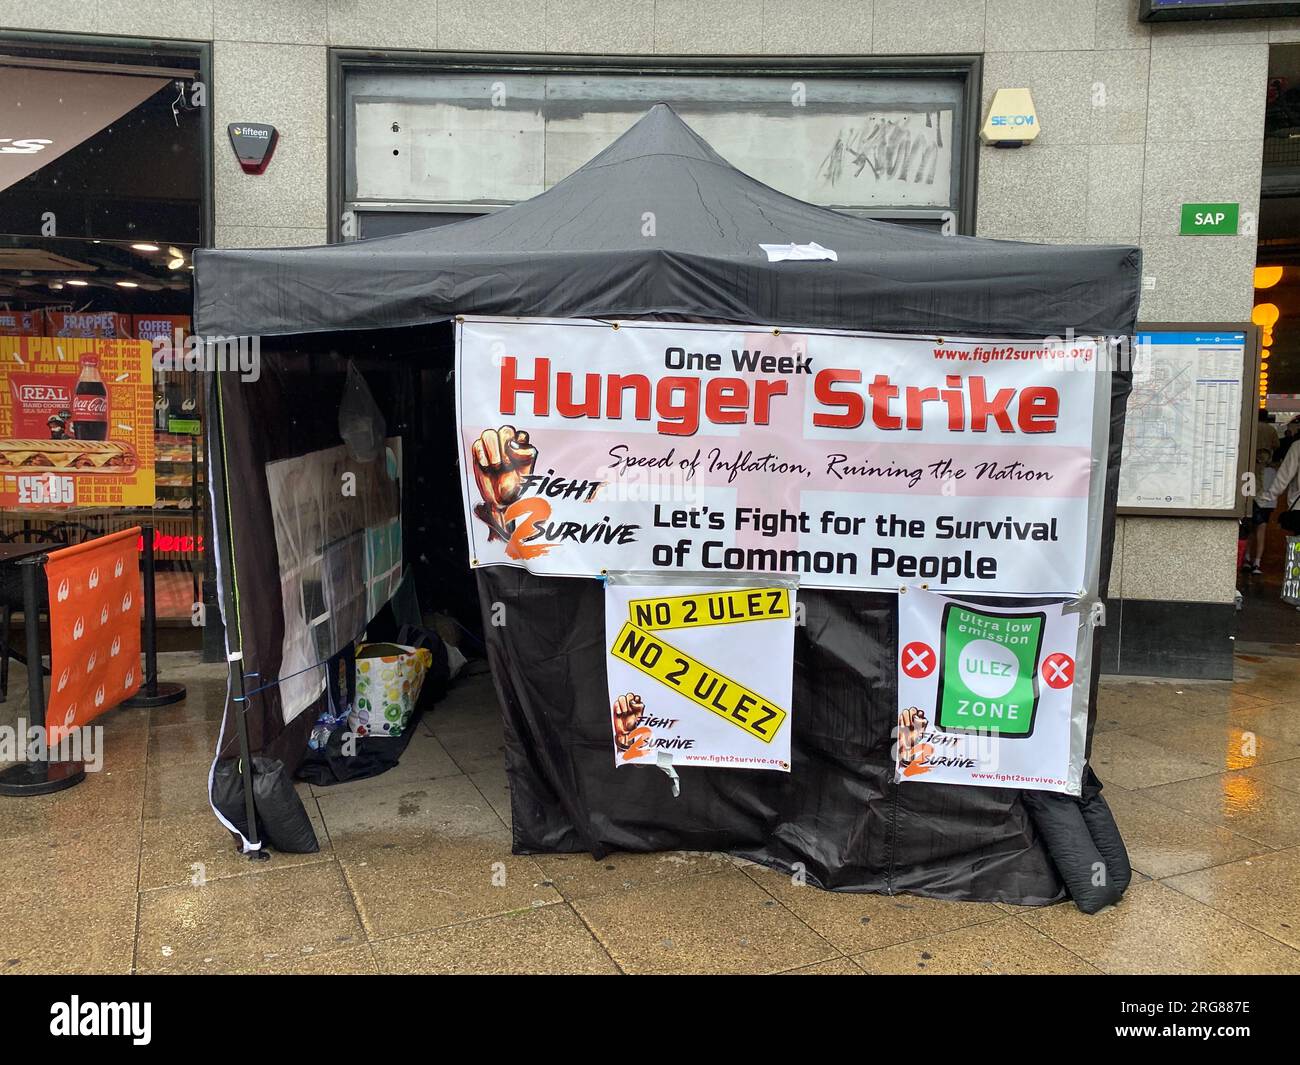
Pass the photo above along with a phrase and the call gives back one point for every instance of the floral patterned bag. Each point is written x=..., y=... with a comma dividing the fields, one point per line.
x=389, y=678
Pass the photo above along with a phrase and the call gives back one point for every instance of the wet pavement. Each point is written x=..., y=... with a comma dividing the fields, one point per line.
x=130, y=872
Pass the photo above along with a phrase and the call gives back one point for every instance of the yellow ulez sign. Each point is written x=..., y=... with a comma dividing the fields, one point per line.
x=708, y=688
x=716, y=608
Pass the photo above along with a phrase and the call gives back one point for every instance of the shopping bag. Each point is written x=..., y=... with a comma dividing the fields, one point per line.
x=389, y=678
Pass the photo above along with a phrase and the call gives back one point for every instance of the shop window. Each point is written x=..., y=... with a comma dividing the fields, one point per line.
x=103, y=199
x=422, y=145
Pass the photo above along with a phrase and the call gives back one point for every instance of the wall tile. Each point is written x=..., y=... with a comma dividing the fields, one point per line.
x=1118, y=96
x=1180, y=559
x=1118, y=25
x=1045, y=25
x=1038, y=193
x=187, y=19
x=492, y=25
x=267, y=237
x=298, y=22
x=50, y=15
x=608, y=27
x=1197, y=34
x=1197, y=278
x=383, y=23
x=1200, y=96
x=288, y=90
x=812, y=27
x=721, y=27
x=1115, y=177
x=1201, y=172
x=290, y=194
x=904, y=27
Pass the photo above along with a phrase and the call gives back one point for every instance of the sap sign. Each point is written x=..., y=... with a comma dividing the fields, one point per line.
x=1012, y=121
x=1209, y=219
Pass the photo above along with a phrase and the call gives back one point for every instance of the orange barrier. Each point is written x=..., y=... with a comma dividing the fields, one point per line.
x=94, y=628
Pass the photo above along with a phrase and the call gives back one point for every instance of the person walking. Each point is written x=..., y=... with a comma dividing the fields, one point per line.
x=1266, y=446
x=1285, y=482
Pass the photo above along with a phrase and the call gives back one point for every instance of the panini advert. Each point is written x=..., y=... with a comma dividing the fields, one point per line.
x=846, y=460
x=76, y=423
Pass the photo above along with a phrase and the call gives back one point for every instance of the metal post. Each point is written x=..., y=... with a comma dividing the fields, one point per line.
x=246, y=758
x=151, y=692
x=35, y=671
x=150, y=634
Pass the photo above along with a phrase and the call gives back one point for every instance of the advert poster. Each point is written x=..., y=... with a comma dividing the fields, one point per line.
x=76, y=423
x=88, y=325
x=845, y=460
x=700, y=675
x=22, y=323
x=990, y=696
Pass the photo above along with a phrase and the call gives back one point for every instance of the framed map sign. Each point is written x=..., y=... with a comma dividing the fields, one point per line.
x=1188, y=434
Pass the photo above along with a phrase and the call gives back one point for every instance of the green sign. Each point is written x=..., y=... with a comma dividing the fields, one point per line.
x=988, y=671
x=1209, y=219
x=184, y=425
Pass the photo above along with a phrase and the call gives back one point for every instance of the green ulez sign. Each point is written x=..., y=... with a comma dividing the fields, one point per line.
x=1210, y=219
x=988, y=671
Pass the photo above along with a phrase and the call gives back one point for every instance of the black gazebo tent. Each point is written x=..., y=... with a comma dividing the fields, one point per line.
x=659, y=225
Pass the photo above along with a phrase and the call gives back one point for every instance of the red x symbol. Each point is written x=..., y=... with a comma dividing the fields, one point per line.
x=1058, y=670
x=918, y=660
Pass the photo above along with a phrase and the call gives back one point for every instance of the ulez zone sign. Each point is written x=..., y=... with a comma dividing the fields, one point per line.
x=1209, y=220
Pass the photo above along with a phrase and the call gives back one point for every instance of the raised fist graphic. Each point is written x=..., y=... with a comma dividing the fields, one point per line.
x=502, y=459
x=912, y=724
x=628, y=711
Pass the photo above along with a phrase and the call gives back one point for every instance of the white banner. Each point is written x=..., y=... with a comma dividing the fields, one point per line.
x=989, y=696
x=700, y=675
x=851, y=460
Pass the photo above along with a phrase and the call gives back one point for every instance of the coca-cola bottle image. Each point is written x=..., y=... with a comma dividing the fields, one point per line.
x=90, y=402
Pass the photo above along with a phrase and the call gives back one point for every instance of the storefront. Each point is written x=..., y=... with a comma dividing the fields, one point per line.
x=104, y=183
x=426, y=141
x=387, y=120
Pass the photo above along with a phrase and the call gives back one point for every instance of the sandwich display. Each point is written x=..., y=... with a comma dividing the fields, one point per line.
x=81, y=456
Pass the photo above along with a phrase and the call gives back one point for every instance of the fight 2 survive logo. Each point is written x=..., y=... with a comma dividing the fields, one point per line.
x=516, y=497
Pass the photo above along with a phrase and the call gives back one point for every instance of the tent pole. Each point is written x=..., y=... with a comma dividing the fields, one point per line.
x=245, y=759
x=219, y=478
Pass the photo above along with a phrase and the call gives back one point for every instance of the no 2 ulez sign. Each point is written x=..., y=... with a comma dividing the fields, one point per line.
x=1209, y=220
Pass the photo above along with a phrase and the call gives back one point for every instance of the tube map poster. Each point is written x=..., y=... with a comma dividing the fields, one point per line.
x=847, y=460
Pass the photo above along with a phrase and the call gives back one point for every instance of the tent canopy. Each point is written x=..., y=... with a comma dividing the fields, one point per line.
x=659, y=223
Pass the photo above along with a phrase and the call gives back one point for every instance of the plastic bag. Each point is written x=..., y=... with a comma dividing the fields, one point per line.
x=361, y=423
x=340, y=694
